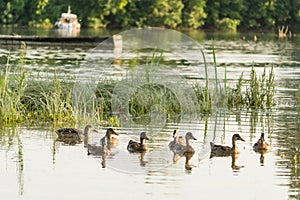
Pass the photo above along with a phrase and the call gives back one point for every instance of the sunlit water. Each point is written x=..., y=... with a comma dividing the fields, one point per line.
x=35, y=166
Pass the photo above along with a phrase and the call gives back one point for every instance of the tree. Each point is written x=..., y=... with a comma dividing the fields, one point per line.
x=166, y=13
x=193, y=13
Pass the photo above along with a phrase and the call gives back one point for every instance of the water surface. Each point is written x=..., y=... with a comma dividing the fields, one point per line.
x=35, y=166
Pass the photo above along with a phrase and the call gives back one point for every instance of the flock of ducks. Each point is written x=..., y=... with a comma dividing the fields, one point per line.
x=180, y=146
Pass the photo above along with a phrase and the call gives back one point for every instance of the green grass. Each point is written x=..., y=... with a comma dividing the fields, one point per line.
x=28, y=99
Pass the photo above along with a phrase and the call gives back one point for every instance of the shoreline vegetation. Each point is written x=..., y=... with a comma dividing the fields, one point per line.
x=176, y=14
x=28, y=100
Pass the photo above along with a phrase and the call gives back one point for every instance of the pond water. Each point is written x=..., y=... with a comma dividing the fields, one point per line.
x=35, y=166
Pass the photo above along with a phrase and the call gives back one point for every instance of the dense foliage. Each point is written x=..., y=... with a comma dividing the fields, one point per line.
x=223, y=14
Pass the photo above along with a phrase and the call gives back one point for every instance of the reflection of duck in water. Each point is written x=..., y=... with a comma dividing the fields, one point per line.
x=234, y=166
x=262, y=147
x=134, y=146
x=73, y=136
x=111, y=141
x=177, y=140
x=219, y=150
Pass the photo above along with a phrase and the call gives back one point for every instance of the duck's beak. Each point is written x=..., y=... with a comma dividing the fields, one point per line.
x=114, y=133
x=194, y=138
x=94, y=130
x=146, y=138
x=241, y=139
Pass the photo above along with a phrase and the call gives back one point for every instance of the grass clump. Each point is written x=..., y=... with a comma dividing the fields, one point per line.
x=50, y=100
x=12, y=87
x=258, y=92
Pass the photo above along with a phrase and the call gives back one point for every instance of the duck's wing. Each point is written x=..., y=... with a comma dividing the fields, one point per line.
x=181, y=140
x=171, y=145
x=215, y=147
x=96, y=150
x=179, y=149
x=68, y=132
x=132, y=145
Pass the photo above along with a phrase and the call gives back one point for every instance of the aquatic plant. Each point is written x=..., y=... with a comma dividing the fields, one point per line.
x=12, y=87
x=25, y=98
x=260, y=92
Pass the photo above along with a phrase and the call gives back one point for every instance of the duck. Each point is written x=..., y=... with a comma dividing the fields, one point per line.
x=98, y=150
x=177, y=140
x=111, y=141
x=182, y=149
x=134, y=146
x=219, y=150
x=102, y=150
x=261, y=144
x=74, y=134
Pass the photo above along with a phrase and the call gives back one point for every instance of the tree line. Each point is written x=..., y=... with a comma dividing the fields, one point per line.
x=194, y=14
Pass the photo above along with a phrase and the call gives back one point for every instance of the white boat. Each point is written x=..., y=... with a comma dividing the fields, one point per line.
x=67, y=21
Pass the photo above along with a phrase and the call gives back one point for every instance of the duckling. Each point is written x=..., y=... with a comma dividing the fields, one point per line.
x=111, y=141
x=66, y=134
x=138, y=147
x=219, y=150
x=181, y=149
x=177, y=140
x=261, y=144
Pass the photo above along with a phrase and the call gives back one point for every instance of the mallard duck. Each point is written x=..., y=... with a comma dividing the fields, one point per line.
x=219, y=150
x=74, y=134
x=111, y=141
x=261, y=144
x=177, y=140
x=181, y=149
x=134, y=146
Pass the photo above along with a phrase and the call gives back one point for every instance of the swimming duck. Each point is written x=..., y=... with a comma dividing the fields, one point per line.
x=97, y=150
x=219, y=150
x=261, y=144
x=111, y=141
x=103, y=151
x=138, y=147
x=74, y=134
x=177, y=140
x=181, y=149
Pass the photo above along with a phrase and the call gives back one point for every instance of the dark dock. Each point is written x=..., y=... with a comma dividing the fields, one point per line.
x=37, y=40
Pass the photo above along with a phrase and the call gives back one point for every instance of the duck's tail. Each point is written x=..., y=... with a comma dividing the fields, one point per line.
x=212, y=144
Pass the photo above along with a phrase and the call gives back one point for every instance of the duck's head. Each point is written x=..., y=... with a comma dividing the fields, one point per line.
x=189, y=136
x=262, y=137
x=236, y=137
x=110, y=132
x=89, y=128
x=143, y=136
x=175, y=134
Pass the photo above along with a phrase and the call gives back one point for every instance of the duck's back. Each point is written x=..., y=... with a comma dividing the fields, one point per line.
x=68, y=132
x=136, y=147
x=96, y=150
